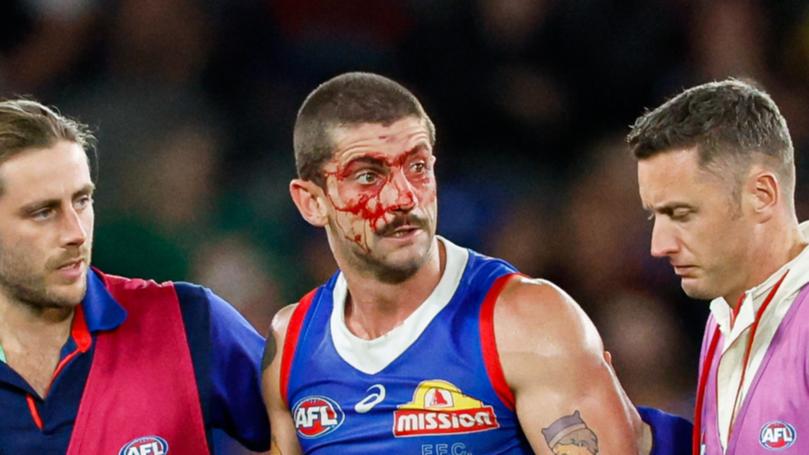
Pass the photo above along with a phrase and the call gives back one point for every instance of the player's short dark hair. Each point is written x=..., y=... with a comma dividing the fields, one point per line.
x=347, y=100
x=727, y=121
x=26, y=124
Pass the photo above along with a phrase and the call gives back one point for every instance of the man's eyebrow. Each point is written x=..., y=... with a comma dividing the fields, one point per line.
x=376, y=158
x=420, y=147
x=365, y=159
x=86, y=189
x=45, y=203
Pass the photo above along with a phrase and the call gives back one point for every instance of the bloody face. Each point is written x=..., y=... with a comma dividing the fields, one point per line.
x=381, y=193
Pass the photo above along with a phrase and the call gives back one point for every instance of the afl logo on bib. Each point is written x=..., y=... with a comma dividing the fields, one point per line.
x=777, y=435
x=316, y=416
x=145, y=445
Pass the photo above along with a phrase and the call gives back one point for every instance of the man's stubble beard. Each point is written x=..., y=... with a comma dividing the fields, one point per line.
x=21, y=283
x=367, y=263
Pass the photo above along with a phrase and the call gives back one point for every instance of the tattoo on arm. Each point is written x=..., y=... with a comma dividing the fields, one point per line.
x=269, y=352
x=570, y=435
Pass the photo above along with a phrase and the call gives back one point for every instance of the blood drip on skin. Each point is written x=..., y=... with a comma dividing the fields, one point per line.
x=362, y=207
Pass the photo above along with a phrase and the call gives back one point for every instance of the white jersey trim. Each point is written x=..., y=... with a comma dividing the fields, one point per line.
x=372, y=356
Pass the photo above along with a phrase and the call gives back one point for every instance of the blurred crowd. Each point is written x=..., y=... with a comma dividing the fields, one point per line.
x=193, y=102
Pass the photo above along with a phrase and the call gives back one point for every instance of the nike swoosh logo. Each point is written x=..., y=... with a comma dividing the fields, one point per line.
x=371, y=400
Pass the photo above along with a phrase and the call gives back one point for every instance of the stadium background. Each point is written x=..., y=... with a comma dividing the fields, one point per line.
x=194, y=102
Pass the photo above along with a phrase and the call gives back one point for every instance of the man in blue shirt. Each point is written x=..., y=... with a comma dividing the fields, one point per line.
x=90, y=362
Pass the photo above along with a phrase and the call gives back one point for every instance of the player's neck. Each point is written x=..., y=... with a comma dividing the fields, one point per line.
x=18, y=316
x=374, y=308
x=32, y=338
x=775, y=248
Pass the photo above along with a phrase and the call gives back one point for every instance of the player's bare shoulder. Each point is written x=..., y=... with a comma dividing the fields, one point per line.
x=535, y=315
x=281, y=319
x=283, y=430
x=278, y=330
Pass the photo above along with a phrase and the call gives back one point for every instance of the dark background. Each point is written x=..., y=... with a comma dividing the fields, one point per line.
x=194, y=102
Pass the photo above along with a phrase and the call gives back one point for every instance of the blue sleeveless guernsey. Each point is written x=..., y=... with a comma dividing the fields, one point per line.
x=431, y=386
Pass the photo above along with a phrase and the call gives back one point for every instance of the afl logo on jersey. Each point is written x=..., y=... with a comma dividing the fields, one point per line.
x=316, y=416
x=777, y=435
x=145, y=445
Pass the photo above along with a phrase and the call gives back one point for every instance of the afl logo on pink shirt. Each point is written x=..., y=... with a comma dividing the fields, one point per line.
x=145, y=445
x=316, y=416
x=777, y=435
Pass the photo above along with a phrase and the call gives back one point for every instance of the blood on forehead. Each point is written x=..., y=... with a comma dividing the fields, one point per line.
x=405, y=134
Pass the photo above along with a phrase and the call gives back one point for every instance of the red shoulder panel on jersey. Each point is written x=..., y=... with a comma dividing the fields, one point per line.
x=489, y=345
x=291, y=340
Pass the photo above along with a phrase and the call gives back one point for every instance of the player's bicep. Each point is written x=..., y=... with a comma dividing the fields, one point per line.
x=576, y=410
x=284, y=439
x=568, y=400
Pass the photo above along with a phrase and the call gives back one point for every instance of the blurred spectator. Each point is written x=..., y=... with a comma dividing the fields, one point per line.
x=646, y=340
x=164, y=207
x=42, y=41
x=236, y=269
x=605, y=234
x=729, y=37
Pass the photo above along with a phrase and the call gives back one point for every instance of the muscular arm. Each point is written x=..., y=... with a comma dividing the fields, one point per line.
x=284, y=440
x=568, y=400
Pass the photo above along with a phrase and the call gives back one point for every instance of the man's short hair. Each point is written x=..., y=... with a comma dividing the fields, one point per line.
x=348, y=100
x=27, y=124
x=730, y=121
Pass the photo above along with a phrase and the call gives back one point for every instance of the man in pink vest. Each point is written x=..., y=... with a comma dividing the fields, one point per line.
x=93, y=363
x=716, y=172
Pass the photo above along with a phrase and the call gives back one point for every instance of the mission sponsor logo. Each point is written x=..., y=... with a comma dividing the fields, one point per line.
x=440, y=408
x=145, y=445
x=316, y=416
x=777, y=435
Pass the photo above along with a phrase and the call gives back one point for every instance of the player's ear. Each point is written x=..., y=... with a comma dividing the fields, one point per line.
x=764, y=191
x=310, y=200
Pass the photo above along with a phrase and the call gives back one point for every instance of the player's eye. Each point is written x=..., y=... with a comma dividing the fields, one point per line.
x=83, y=202
x=43, y=213
x=418, y=167
x=367, y=177
x=681, y=214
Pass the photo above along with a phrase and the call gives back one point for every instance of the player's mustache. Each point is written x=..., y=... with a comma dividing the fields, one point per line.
x=405, y=220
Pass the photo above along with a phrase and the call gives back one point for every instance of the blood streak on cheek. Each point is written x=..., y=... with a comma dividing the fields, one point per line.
x=367, y=206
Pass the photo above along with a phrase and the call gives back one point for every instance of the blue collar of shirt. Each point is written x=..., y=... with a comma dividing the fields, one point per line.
x=101, y=311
